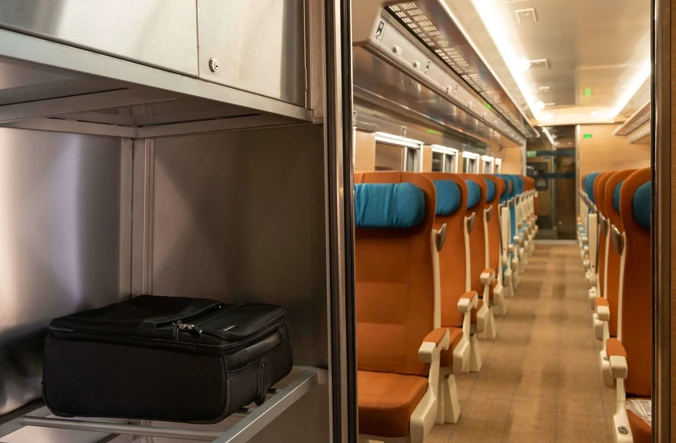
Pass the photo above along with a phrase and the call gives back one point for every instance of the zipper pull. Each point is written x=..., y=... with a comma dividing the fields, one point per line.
x=188, y=327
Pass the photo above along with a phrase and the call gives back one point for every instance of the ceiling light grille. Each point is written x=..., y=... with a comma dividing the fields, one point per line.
x=415, y=20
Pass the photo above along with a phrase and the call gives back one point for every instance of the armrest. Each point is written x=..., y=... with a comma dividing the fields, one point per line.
x=468, y=301
x=602, y=308
x=433, y=343
x=617, y=356
x=487, y=276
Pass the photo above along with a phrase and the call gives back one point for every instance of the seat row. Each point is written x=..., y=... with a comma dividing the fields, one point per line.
x=614, y=236
x=436, y=255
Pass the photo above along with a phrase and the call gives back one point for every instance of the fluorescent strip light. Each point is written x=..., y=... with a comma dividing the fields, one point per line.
x=398, y=140
x=488, y=11
x=549, y=136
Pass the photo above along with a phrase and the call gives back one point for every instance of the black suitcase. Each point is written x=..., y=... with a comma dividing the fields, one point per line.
x=165, y=358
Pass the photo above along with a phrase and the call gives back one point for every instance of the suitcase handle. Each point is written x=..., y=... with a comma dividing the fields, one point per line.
x=263, y=381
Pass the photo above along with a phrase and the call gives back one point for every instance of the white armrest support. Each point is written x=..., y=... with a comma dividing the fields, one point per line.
x=603, y=312
x=469, y=301
x=617, y=356
x=487, y=277
x=618, y=366
x=433, y=343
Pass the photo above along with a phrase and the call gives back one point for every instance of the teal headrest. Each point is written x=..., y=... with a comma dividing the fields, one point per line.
x=448, y=196
x=507, y=194
x=616, y=196
x=589, y=185
x=641, y=205
x=518, y=184
x=386, y=205
x=490, y=190
x=473, y=194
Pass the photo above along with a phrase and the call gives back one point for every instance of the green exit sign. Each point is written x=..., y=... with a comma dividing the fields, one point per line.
x=531, y=153
x=587, y=136
x=588, y=92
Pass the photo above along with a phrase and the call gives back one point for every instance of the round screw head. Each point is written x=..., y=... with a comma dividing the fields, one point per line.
x=213, y=64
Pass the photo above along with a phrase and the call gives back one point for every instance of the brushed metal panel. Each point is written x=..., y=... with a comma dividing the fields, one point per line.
x=161, y=33
x=259, y=45
x=60, y=243
x=240, y=216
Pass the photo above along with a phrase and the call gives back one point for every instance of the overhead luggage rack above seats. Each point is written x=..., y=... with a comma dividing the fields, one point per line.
x=398, y=66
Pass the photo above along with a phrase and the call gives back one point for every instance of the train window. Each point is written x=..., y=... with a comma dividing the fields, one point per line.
x=395, y=153
x=444, y=159
x=470, y=163
x=498, y=166
x=486, y=164
x=437, y=162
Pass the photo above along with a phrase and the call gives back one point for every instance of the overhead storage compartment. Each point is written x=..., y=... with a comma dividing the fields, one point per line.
x=414, y=59
x=637, y=127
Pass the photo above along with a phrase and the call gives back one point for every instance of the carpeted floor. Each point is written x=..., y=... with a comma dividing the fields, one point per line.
x=541, y=379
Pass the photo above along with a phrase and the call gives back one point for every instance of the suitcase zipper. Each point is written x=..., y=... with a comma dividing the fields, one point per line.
x=195, y=316
x=188, y=327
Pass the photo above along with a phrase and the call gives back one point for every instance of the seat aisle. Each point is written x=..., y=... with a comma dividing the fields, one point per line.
x=541, y=380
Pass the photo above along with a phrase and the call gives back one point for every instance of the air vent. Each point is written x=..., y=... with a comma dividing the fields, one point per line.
x=526, y=16
x=545, y=89
x=539, y=64
x=417, y=22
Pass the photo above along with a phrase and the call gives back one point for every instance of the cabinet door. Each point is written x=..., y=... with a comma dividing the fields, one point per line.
x=259, y=46
x=160, y=33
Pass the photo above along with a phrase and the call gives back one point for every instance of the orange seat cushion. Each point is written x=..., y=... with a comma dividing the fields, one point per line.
x=640, y=430
x=386, y=402
x=447, y=356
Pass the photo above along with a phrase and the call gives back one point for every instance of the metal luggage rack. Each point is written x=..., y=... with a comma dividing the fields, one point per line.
x=254, y=419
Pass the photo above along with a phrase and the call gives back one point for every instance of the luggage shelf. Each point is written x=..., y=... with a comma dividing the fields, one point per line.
x=254, y=420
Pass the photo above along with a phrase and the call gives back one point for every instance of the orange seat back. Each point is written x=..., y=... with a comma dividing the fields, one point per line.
x=600, y=197
x=494, y=222
x=395, y=285
x=452, y=266
x=477, y=237
x=613, y=261
x=636, y=309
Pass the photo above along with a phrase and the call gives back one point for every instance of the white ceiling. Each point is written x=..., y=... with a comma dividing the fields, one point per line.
x=602, y=45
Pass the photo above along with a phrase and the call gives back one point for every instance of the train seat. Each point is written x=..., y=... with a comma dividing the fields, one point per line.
x=398, y=347
x=598, y=265
x=591, y=225
x=495, y=188
x=456, y=302
x=521, y=240
x=630, y=354
x=480, y=278
x=527, y=216
x=606, y=310
x=503, y=219
x=508, y=221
